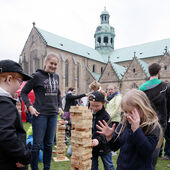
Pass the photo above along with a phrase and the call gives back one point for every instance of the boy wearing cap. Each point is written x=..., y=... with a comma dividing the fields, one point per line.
x=13, y=152
x=100, y=148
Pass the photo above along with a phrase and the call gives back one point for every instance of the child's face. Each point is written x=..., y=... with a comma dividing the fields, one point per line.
x=96, y=106
x=14, y=83
x=129, y=109
x=95, y=88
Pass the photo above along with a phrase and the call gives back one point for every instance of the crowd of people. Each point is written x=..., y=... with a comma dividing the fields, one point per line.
x=135, y=123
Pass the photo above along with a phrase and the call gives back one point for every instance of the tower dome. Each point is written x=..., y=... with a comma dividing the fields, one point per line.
x=104, y=35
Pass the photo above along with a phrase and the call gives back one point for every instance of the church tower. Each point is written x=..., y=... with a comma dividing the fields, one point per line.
x=104, y=35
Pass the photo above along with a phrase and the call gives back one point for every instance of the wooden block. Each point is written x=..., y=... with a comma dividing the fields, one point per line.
x=59, y=160
x=81, y=134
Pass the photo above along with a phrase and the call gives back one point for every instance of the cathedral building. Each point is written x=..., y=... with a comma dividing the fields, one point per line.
x=79, y=65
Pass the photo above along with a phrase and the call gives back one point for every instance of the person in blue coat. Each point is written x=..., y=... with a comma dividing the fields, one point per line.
x=137, y=135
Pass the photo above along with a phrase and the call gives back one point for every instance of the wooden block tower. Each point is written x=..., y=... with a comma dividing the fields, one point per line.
x=81, y=138
x=60, y=155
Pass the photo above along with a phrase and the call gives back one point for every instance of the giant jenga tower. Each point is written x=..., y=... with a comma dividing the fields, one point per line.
x=60, y=142
x=81, y=138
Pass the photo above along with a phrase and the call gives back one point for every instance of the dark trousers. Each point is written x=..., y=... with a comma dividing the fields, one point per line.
x=167, y=140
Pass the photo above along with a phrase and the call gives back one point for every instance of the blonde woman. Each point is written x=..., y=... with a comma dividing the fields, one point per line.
x=137, y=136
x=45, y=84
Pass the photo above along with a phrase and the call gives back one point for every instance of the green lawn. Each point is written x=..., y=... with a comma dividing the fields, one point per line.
x=161, y=165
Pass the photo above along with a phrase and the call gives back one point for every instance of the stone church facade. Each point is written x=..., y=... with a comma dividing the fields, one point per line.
x=79, y=65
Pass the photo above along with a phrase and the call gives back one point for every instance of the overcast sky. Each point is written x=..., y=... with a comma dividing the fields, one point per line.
x=135, y=21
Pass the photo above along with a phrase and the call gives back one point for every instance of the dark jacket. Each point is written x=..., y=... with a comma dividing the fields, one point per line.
x=159, y=96
x=47, y=93
x=136, y=148
x=71, y=100
x=102, y=148
x=12, y=135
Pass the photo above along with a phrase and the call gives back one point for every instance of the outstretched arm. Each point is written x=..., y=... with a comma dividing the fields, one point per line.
x=106, y=130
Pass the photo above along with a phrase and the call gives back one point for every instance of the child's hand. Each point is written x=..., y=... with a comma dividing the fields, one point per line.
x=19, y=165
x=106, y=130
x=95, y=142
x=134, y=120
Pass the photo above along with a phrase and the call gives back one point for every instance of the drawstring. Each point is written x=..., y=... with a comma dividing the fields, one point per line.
x=54, y=83
x=50, y=82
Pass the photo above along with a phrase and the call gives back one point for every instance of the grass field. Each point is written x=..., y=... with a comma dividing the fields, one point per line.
x=161, y=165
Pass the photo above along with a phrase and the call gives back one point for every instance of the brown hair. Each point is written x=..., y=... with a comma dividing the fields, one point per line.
x=154, y=69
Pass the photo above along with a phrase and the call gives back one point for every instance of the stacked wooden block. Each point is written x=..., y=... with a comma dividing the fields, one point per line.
x=81, y=138
x=60, y=155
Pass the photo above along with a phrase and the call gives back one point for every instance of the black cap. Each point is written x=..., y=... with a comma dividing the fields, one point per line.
x=97, y=96
x=12, y=66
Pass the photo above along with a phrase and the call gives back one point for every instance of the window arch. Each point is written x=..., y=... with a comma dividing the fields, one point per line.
x=134, y=85
x=78, y=75
x=111, y=40
x=105, y=39
x=99, y=40
x=66, y=73
x=93, y=68
x=102, y=70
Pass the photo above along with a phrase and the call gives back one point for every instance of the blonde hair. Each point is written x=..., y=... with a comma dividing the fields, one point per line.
x=140, y=101
x=49, y=57
x=94, y=84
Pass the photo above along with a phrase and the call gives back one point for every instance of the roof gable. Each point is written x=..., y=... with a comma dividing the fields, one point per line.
x=136, y=70
x=109, y=74
x=120, y=70
x=95, y=76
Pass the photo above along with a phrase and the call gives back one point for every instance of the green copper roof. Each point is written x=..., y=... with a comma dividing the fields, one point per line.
x=120, y=70
x=105, y=12
x=146, y=50
x=144, y=66
x=96, y=76
x=70, y=46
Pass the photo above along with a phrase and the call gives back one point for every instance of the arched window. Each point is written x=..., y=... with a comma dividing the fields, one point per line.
x=134, y=70
x=66, y=73
x=134, y=85
x=165, y=67
x=105, y=39
x=94, y=68
x=111, y=40
x=78, y=75
x=101, y=70
x=99, y=40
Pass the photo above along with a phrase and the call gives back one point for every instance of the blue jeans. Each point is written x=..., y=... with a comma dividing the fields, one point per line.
x=44, y=128
x=107, y=162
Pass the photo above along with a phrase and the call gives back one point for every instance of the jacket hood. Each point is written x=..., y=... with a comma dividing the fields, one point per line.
x=5, y=93
x=43, y=72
